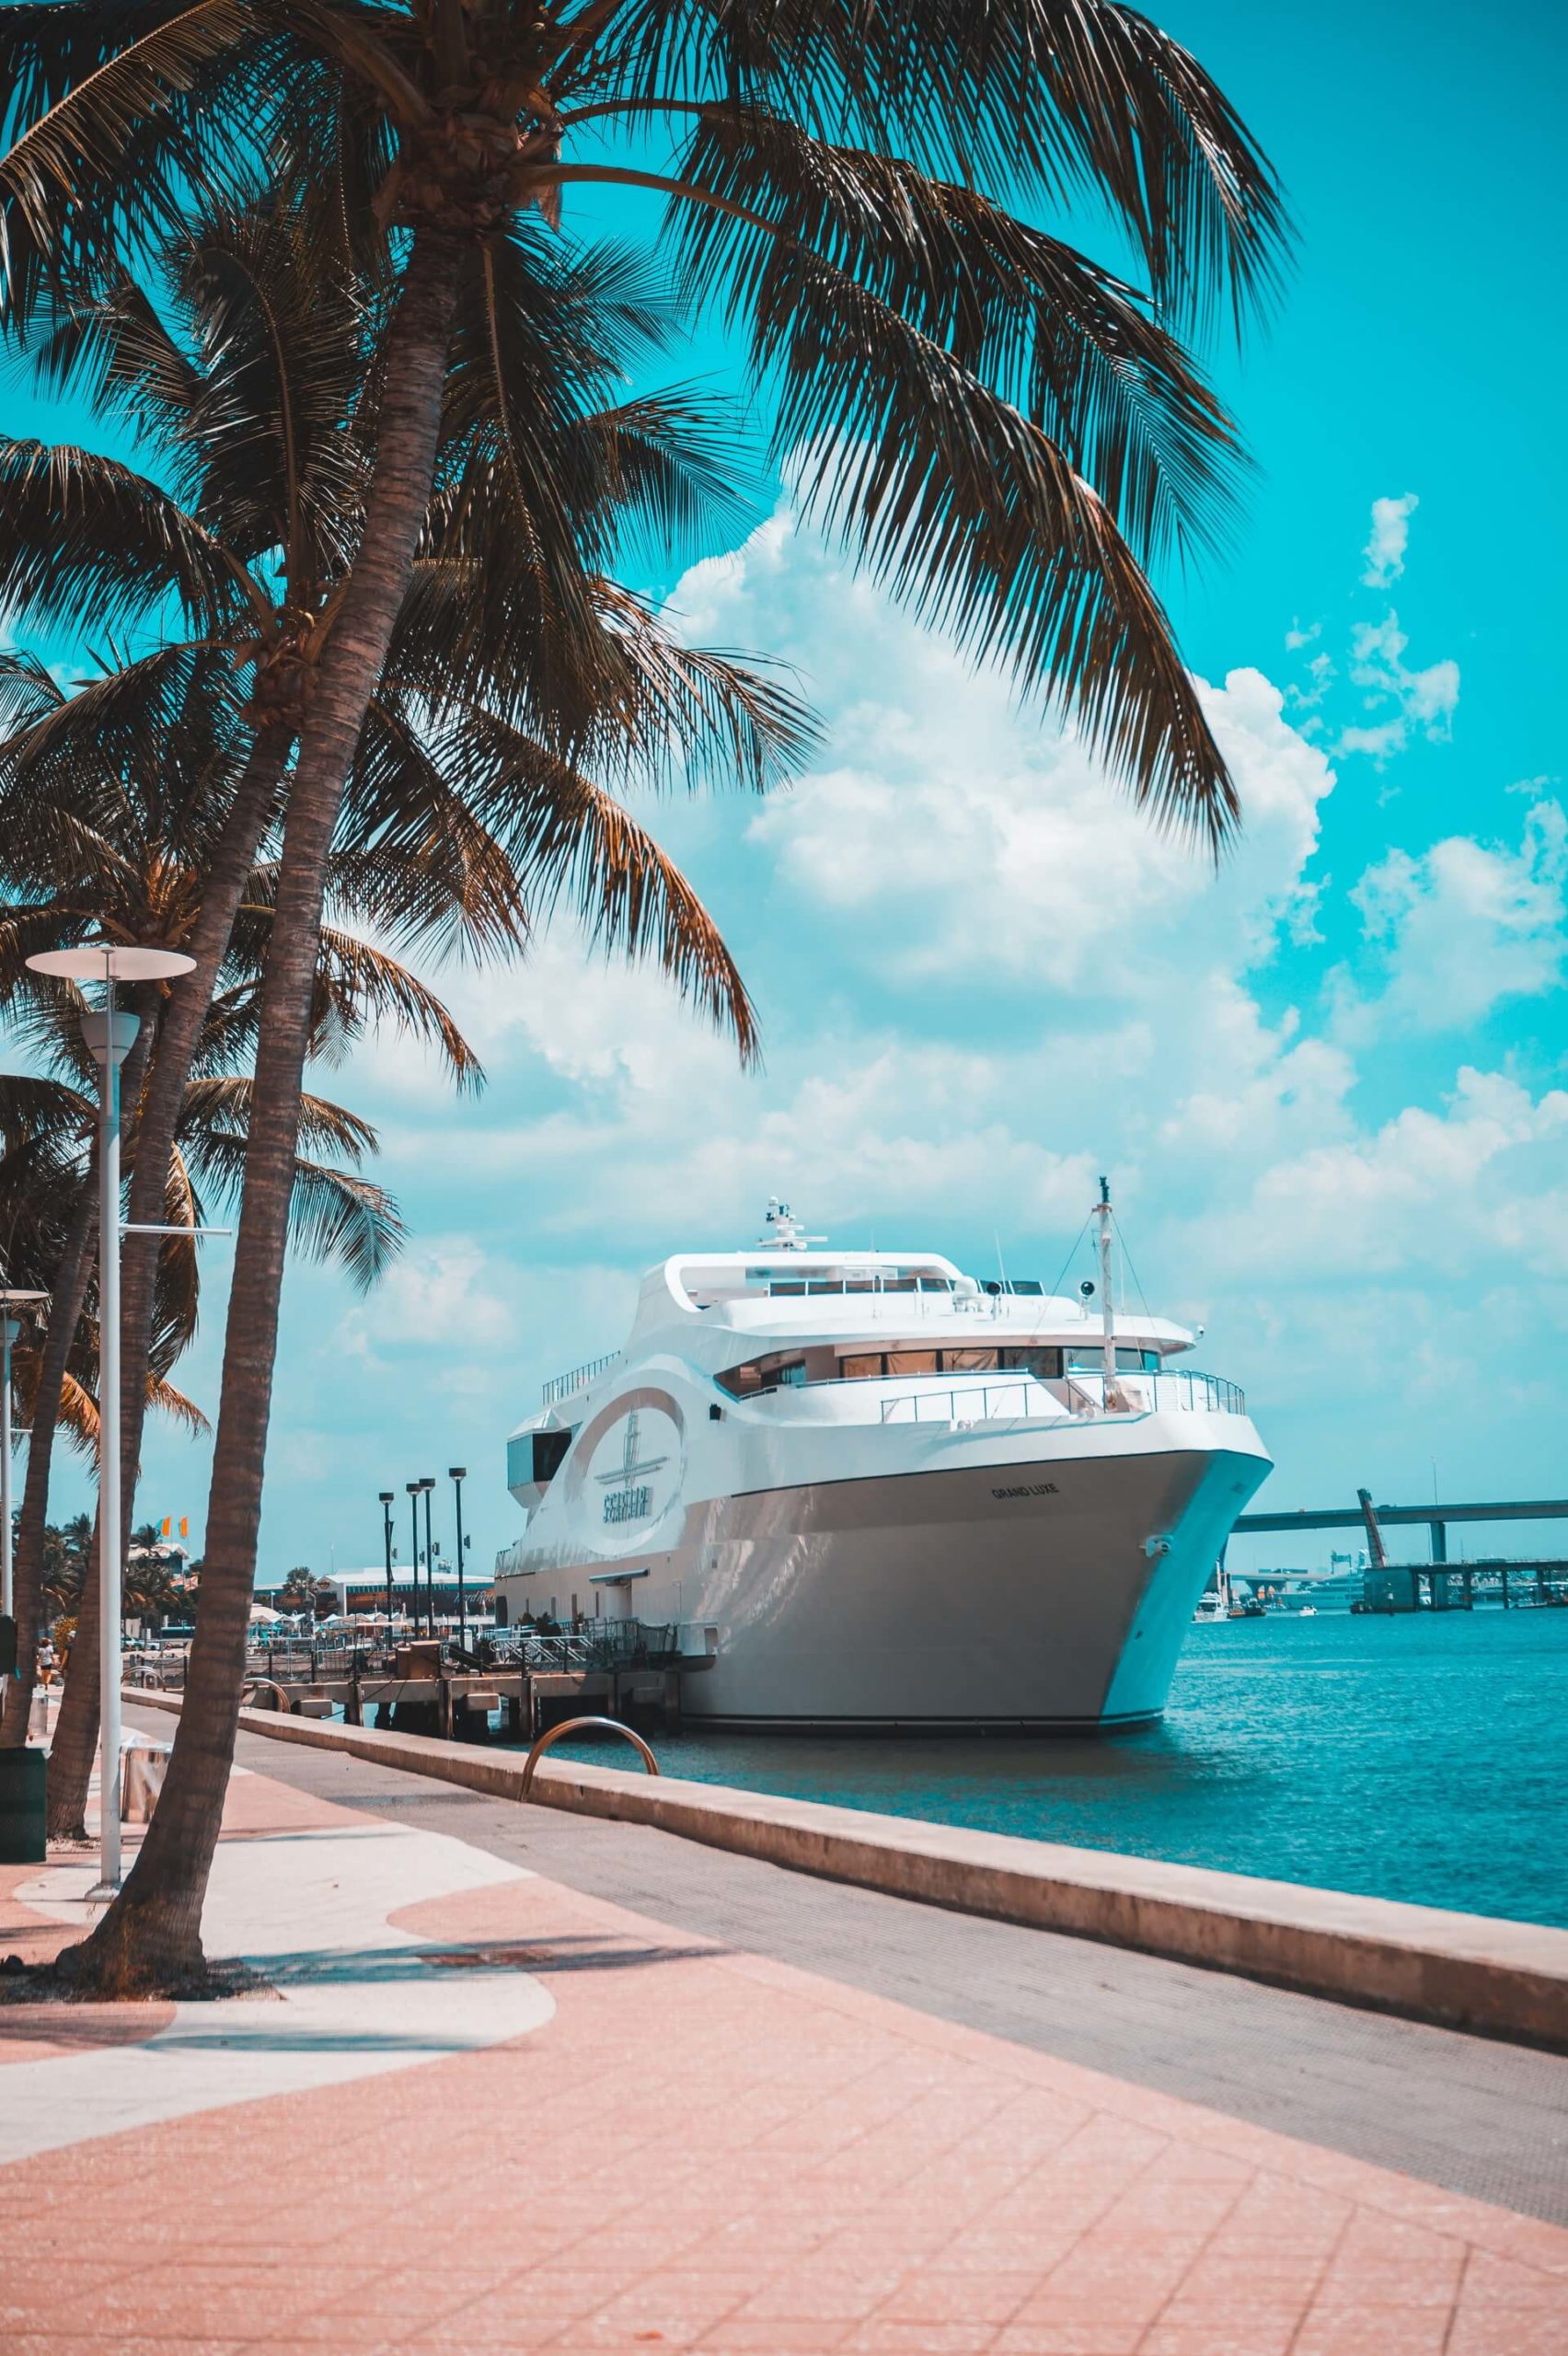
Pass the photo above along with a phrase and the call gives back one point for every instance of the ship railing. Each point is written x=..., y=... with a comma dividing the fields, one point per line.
x=562, y=1386
x=1083, y=1395
x=593, y=1644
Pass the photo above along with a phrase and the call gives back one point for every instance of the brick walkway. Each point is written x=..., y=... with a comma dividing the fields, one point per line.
x=703, y=2149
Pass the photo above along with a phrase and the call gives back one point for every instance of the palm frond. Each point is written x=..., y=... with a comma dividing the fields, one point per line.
x=581, y=849
x=109, y=107
x=87, y=538
x=336, y=1216
x=1033, y=320
x=165, y=1400
x=982, y=526
x=221, y=1105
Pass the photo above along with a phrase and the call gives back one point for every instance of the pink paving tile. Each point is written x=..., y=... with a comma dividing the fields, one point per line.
x=883, y=2336
x=1245, y=2331
x=1491, y=2283
x=1068, y=2336
x=931, y=2294
x=1508, y=2331
x=773, y=2335
x=37, y=2343
x=1374, y=2332
x=1398, y=2282
x=812, y=2294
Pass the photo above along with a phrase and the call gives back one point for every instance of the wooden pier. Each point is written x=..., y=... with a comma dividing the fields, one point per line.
x=422, y=1689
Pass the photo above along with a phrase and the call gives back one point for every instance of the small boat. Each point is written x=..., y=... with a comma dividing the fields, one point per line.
x=1307, y=1612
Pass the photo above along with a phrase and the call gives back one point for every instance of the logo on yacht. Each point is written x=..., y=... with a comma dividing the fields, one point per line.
x=629, y=1497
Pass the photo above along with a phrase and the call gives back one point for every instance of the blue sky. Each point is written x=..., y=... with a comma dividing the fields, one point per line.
x=1331, y=1084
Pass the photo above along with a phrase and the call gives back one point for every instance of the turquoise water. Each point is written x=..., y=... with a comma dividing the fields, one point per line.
x=1422, y=1757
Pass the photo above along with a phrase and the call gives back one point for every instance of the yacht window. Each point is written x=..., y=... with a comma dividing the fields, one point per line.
x=1045, y=1365
x=900, y=1284
x=785, y=1378
x=777, y=1288
x=549, y=1454
x=969, y=1361
x=1128, y=1361
x=936, y=1284
x=860, y=1284
x=857, y=1369
x=825, y=1284
x=913, y=1362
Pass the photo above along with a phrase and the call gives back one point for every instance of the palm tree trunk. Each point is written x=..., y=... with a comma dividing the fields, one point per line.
x=76, y=1728
x=184, y=1014
x=152, y=1935
x=69, y=1292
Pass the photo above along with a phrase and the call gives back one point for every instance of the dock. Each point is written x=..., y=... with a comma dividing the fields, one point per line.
x=433, y=1687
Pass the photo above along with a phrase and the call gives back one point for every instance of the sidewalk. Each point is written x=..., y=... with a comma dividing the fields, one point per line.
x=482, y=2109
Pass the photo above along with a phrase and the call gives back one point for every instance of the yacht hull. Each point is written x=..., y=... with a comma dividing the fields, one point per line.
x=1032, y=1589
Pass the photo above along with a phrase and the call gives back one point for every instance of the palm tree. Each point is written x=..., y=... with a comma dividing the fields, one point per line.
x=995, y=424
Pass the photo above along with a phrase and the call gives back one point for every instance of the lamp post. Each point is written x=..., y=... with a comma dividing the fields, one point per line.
x=10, y=1328
x=428, y=1486
x=414, y=1489
x=386, y=1496
x=109, y=1038
x=458, y=1474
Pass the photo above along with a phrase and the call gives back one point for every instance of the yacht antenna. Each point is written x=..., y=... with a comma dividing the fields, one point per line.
x=1107, y=1297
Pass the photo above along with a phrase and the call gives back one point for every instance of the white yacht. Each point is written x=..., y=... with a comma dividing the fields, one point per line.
x=869, y=1491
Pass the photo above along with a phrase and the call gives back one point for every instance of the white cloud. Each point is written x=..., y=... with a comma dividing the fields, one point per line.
x=1437, y=1195
x=1385, y=551
x=1464, y=926
x=1426, y=700
x=960, y=835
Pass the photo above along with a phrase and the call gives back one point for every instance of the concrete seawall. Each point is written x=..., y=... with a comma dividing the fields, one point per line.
x=1468, y=1971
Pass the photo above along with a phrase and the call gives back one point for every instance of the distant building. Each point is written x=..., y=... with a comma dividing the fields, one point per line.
x=366, y=1590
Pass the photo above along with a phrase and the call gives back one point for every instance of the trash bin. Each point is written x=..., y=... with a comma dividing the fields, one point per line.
x=23, y=1838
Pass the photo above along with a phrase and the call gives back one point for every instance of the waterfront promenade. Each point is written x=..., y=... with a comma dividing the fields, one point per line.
x=536, y=2081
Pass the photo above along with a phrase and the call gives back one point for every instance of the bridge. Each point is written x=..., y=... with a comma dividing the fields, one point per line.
x=1436, y=1516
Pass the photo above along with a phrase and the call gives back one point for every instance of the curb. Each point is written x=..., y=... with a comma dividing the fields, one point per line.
x=1467, y=1971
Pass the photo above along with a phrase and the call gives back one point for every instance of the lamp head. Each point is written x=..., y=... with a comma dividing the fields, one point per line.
x=386, y=1495
x=456, y=1472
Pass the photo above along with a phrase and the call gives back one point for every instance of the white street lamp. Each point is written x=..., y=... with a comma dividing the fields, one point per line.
x=108, y=1037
